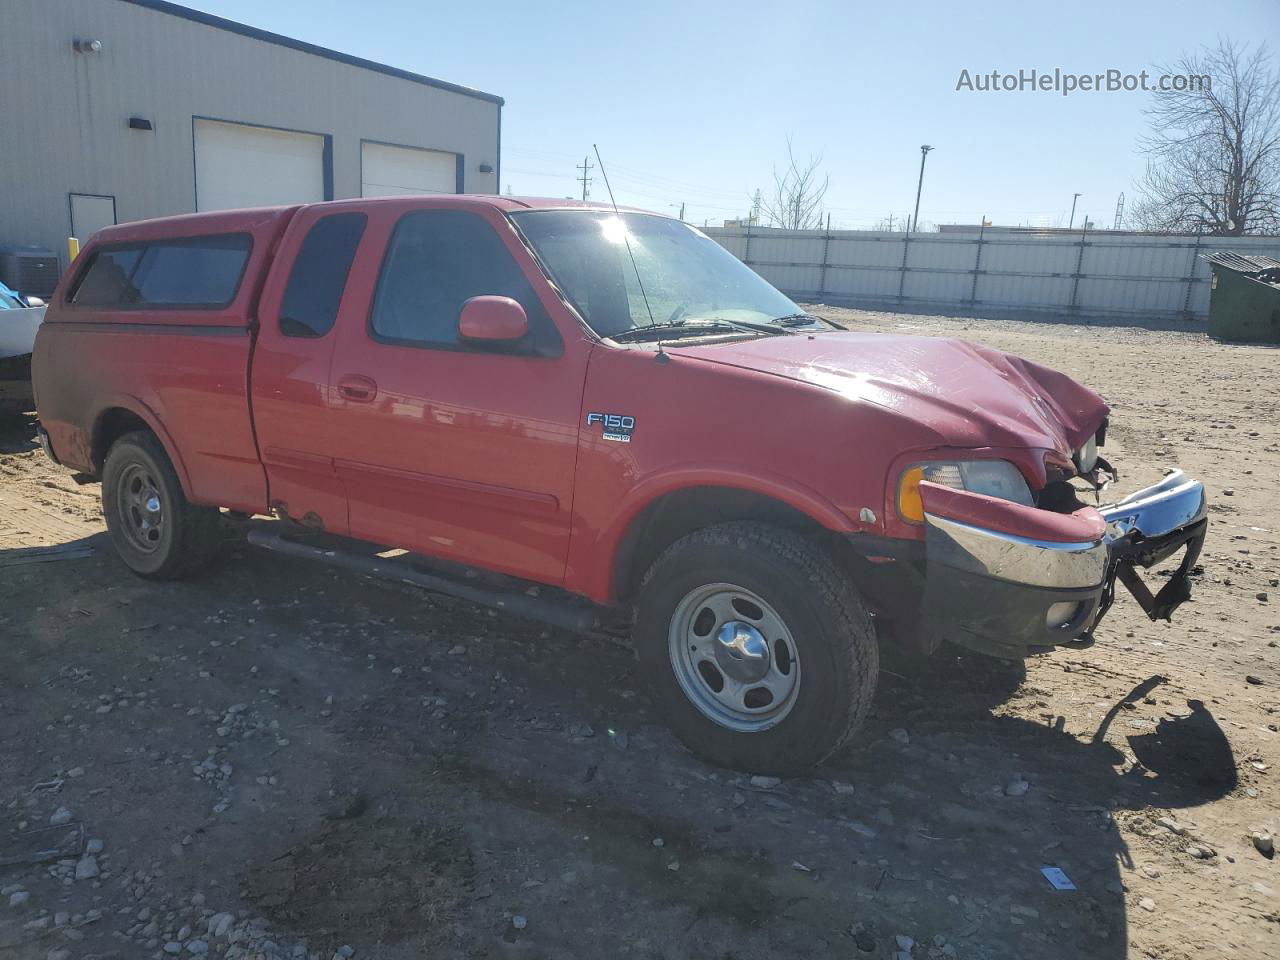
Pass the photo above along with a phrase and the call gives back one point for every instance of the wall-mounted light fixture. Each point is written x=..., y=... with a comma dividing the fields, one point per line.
x=139, y=123
x=486, y=168
x=87, y=46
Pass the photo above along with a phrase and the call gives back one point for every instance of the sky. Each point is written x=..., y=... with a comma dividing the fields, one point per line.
x=694, y=102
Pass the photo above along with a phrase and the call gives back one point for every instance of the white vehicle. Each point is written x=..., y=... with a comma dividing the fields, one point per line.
x=19, y=320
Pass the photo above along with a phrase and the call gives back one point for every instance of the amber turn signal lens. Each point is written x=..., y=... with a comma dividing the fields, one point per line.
x=910, y=506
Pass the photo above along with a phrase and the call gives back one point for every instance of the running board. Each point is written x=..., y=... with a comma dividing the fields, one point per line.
x=565, y=615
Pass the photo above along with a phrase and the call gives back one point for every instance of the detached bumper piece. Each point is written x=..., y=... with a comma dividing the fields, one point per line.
x=1008, y=580
x=1148, y=527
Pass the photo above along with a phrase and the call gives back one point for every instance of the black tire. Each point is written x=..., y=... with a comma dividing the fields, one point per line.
x=185, y=537
x=832, y=632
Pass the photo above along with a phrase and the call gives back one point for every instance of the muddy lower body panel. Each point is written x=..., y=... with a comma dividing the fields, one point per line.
x=1011, y=596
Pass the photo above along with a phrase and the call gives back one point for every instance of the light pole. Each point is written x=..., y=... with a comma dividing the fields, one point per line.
x=1074, y=198
x=681, y=206
x=924, y=153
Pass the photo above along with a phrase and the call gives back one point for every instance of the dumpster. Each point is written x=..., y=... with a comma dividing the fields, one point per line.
x=1244, y=298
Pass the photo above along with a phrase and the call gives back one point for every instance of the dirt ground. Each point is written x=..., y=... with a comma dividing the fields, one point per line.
x=289, y=761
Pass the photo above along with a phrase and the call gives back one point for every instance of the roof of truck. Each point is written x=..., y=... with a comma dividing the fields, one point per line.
x=253, y=219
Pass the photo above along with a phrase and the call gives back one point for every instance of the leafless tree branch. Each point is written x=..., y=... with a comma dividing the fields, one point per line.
x=795, y=202
x=1213, y=153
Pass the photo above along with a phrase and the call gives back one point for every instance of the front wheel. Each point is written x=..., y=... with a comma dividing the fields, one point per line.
x=757, y=648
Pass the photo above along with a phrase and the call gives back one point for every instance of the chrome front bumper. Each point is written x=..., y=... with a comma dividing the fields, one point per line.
x=1004, y=594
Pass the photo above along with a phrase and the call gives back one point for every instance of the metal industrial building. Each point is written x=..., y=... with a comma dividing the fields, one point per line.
x=119, y=110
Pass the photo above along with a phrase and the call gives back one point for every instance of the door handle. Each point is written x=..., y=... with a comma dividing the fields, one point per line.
x=357, y=388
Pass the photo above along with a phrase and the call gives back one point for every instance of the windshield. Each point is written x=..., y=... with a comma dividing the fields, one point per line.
x=686, y=276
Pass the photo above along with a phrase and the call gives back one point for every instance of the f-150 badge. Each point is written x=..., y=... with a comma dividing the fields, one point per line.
x=615, y=425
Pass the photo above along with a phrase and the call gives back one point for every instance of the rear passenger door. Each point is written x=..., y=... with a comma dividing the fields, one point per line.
x=444, y=447
x=298, y=312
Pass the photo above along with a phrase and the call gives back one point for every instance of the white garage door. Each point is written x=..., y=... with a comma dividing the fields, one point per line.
x=387, y=171
x=243, y=166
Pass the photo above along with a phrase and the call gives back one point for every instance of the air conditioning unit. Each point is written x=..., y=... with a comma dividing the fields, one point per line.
x=29, y=270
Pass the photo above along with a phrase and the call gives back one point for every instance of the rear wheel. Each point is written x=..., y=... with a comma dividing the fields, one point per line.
x=156, y=530
x=757, y=648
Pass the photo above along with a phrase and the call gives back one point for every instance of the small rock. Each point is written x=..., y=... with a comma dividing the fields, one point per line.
x=1201, y=852
x=1017, y=787
x=457, y=650
x=197, y=947
x=1147, y=904
x=673, y=866
x=842, y=788
x=61, y=918
x=1256, y=681
x=173, y=947
x=904, y=942
x=1262, y=595
x=1171, y=825
x=765, y=783
x=797, y=865
x=87, y=868
x=58, y=953
x=19, y=898
x=519, y=921
x=659, y=842
x=1228, y=492
x=75, y=772
x=220, y=924
x=1264, y=843
x=899, y=734
x=94, y=845
x=345, y=951
x=60, y=816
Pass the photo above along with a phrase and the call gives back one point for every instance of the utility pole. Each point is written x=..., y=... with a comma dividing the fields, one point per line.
x=585, y=167
x=1119, y=212
x=1074, y=198
x=891, y=223
x=754, y=216
x=915, y=220
x=682, y=211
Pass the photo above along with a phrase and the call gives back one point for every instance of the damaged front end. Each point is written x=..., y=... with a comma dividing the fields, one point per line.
x=1008, y=579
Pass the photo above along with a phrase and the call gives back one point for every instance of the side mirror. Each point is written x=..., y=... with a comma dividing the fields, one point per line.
x=492, y=320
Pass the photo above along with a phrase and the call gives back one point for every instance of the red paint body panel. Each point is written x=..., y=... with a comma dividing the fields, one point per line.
x=184, y=371
x=1083, y=526
x=487, y=459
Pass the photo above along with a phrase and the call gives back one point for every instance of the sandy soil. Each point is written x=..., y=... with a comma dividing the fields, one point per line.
x=282, y=758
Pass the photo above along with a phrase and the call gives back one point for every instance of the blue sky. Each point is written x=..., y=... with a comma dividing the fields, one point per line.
x=693, y=102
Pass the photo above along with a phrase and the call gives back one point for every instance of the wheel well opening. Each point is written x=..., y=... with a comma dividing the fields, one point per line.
x=677, y=514
x=111, y=426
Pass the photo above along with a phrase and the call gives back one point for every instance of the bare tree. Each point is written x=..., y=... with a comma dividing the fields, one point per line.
x=798, y=191
x=1213, y=154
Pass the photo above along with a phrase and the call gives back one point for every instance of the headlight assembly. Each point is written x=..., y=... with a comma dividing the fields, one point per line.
x=1086, y=457
x=993, y=478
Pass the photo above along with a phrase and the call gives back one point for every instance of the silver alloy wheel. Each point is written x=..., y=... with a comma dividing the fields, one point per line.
x=141, y=507
x=734, y=657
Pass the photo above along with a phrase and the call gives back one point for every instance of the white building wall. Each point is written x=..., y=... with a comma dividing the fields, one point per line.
x=66, y=113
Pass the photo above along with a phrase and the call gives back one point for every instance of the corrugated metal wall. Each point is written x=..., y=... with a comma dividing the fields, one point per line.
x=66, y=113
x=1087, y=274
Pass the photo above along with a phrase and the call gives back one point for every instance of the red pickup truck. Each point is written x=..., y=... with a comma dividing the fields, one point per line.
x=594, y=416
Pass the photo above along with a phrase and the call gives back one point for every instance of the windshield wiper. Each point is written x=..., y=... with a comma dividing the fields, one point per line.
x=799, y=320
x=694, y=328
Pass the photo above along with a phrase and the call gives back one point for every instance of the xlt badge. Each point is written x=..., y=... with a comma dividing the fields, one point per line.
x=616, y=426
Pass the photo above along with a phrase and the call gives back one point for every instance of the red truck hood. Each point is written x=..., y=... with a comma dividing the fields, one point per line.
x=966, y=394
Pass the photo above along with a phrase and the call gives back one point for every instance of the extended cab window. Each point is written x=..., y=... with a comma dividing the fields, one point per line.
x=319, y=275
x=436, y=261
x=195, y=273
